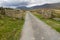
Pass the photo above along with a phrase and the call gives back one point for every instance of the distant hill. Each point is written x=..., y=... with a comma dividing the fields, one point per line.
x=54, y=5
x=23, y=8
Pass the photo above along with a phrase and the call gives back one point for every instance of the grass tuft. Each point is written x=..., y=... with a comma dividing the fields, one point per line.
x=10, y=29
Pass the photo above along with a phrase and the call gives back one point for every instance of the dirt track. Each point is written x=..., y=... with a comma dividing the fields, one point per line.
x=35, y=29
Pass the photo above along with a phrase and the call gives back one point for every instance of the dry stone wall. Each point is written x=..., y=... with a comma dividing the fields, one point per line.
x=12, y=13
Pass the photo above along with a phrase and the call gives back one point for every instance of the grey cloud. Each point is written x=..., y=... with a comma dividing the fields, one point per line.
x=25, y=2
x=15, y=4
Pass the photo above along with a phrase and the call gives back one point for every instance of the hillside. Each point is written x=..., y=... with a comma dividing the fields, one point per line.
x=54, y=5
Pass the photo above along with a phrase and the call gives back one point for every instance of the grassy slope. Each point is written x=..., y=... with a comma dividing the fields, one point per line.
x=10, y=29
x=54, y=24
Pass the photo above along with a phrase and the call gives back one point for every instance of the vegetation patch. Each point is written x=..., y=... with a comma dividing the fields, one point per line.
x=10, y=29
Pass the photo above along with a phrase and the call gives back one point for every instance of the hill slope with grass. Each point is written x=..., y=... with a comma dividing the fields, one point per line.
x=10, y=28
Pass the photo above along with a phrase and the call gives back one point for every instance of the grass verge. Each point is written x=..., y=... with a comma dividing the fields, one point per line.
x=54, y=24
x=10, y=29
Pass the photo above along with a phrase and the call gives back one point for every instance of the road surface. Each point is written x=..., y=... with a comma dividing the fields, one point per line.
x=35, y=29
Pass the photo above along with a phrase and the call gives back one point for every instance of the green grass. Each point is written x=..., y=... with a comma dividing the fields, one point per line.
x=54, y=24
x=10, y=29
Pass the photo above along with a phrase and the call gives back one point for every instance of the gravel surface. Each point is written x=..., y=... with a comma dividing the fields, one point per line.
x=35, y=29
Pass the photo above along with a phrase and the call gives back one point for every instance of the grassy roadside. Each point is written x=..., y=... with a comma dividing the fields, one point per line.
x=10, y=29
x=54, y=24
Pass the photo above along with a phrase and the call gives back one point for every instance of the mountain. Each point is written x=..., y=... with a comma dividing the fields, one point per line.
x=23, y=8
x=54, y=5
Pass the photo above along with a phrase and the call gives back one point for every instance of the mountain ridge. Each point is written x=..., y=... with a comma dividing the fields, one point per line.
x=54, y=5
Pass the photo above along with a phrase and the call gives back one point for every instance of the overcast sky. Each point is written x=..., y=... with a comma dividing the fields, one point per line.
x=27, y=3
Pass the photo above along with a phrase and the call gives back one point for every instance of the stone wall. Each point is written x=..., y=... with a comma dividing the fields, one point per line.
x=13, y=13
x=57, y=13
x=46, y=13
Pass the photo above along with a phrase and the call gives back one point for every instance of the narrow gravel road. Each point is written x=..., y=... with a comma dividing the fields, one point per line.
x=35, y=29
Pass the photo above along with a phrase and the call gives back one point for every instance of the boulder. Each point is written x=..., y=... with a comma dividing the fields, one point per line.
x=57, y=19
